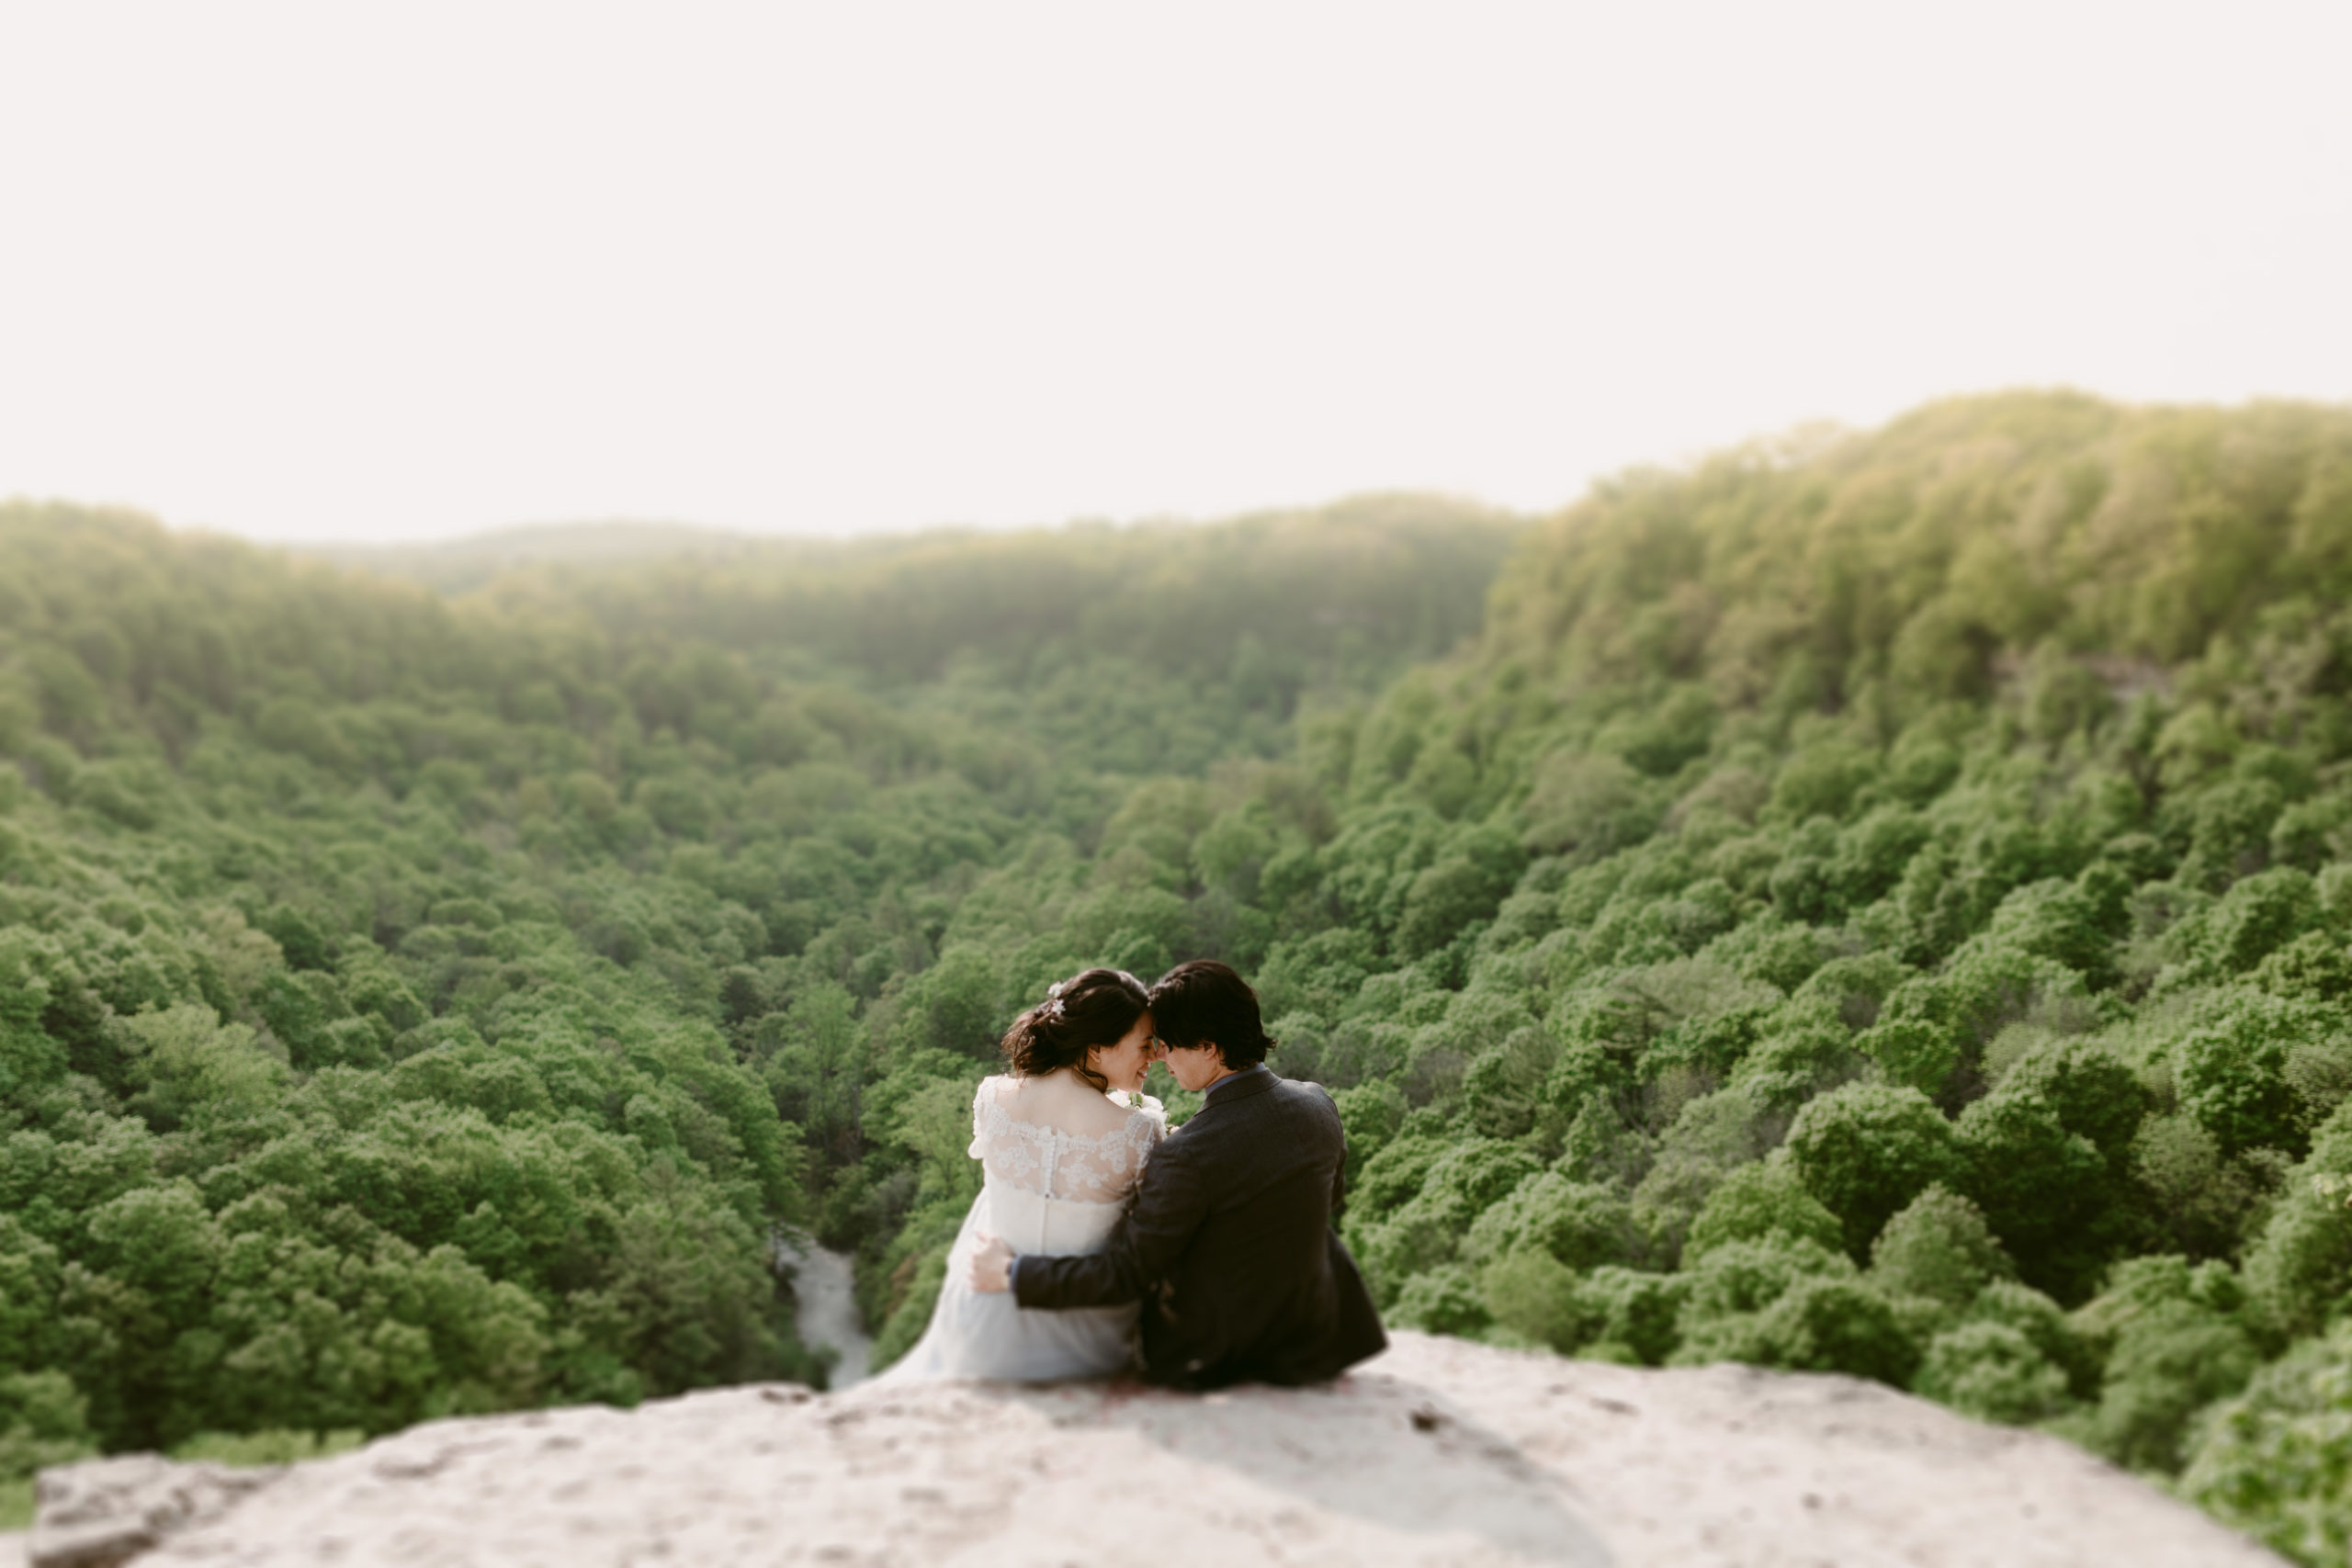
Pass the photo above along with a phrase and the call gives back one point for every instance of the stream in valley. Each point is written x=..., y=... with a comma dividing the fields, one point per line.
x=828, y=1318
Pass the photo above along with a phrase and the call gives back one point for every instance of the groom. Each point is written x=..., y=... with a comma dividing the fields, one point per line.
x=1229, y=1244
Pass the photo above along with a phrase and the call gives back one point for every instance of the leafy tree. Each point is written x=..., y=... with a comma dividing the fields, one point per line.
x=1641, y=1311
x=1370, y=1115
x=1429, y=1227
x=1992, y=1371
x=2275, y=1462
x=2300, y=1270
x=1443, y=1299
x=2046, y=1328
x=2174, y=1345
x=1756, y=1201
x=2047, y=1193
x=1534, y=1296
x=1581, y=1224
x=1864, y=1151
x=2231, y=1066
x=1938, y=1247
x=43, y=1422
x=1824, y=1325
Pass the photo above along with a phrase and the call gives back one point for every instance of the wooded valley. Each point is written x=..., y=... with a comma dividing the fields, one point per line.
x=1874, y=903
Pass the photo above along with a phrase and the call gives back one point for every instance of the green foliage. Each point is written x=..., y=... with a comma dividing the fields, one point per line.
x=1393, y=1176
x=1993, y=1372
x=1784, y=1302
x=911, y=1319
x=1864, y=1151
x=1429, y=1228
x=1938, y=1247
x=2174, y=1345
x=1640, y=1314
x=2170, y=1365
x=43, y=1421
x=2277, y=1462
x=268, y=1447
x=2231, y=1065
x=1539, y=1298
x=2299, y=1272
x=1580, y=1225
x=2047, y=1327
x=1823, y=1324
x=1927, y=846
x=1370, y=1115
x=2051, y=1193
x=1755, y=1202
x=1443, y=1299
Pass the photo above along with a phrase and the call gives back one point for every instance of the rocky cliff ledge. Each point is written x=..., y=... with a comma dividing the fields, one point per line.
x=1438, y=1452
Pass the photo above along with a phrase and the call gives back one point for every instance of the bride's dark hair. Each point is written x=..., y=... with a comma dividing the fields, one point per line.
x=1095, y=1009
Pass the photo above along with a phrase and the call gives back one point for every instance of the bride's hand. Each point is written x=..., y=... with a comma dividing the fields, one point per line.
x=992, y=1266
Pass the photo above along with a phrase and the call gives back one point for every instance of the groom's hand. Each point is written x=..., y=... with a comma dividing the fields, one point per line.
x=992, y=1266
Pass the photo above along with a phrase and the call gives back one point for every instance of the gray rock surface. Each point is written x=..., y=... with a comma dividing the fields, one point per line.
x=107, y=1511
x=1438, y=1452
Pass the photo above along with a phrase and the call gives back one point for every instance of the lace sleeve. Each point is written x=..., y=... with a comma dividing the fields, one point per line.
x=981, y=1102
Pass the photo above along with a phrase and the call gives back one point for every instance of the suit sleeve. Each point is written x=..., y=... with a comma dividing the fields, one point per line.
x=1339, y=1170
x=1171, y=1202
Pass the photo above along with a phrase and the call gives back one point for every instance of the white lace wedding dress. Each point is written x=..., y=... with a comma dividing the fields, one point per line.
x=1046, y=1191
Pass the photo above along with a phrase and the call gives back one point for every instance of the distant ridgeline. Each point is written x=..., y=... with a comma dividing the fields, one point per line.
x=1876, y=904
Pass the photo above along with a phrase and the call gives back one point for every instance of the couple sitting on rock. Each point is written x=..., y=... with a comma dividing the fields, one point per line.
x=1094, y=1222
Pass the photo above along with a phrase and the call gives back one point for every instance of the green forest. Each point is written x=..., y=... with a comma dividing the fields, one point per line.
x=1876, y=902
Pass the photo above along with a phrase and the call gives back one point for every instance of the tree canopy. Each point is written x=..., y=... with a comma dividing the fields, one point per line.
x=1871, y=902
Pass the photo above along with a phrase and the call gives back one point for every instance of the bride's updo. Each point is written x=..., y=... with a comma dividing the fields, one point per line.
x=1091, y=1011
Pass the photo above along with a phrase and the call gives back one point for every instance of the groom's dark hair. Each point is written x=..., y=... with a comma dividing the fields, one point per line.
x=1207, y=1001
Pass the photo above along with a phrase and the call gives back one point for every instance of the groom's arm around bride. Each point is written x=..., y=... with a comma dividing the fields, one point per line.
x=1229, y=1245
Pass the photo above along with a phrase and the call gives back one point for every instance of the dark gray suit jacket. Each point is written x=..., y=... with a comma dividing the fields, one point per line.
x=1229, y=1247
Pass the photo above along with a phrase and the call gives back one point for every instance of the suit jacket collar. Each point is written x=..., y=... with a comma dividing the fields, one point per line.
x=1255, y=1078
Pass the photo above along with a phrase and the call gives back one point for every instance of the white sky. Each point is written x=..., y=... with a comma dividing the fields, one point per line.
x=402, y=271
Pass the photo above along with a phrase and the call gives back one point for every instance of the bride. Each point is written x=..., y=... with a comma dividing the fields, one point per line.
x=1061, y=1152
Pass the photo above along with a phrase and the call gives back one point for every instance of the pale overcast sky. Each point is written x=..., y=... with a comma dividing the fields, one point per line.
x=405, y=271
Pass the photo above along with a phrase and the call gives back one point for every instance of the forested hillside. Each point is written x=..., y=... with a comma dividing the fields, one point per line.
x=1874, y=903
x=411, y=1007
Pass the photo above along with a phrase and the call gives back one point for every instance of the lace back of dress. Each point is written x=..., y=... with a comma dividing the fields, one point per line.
x=1079, y=1167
